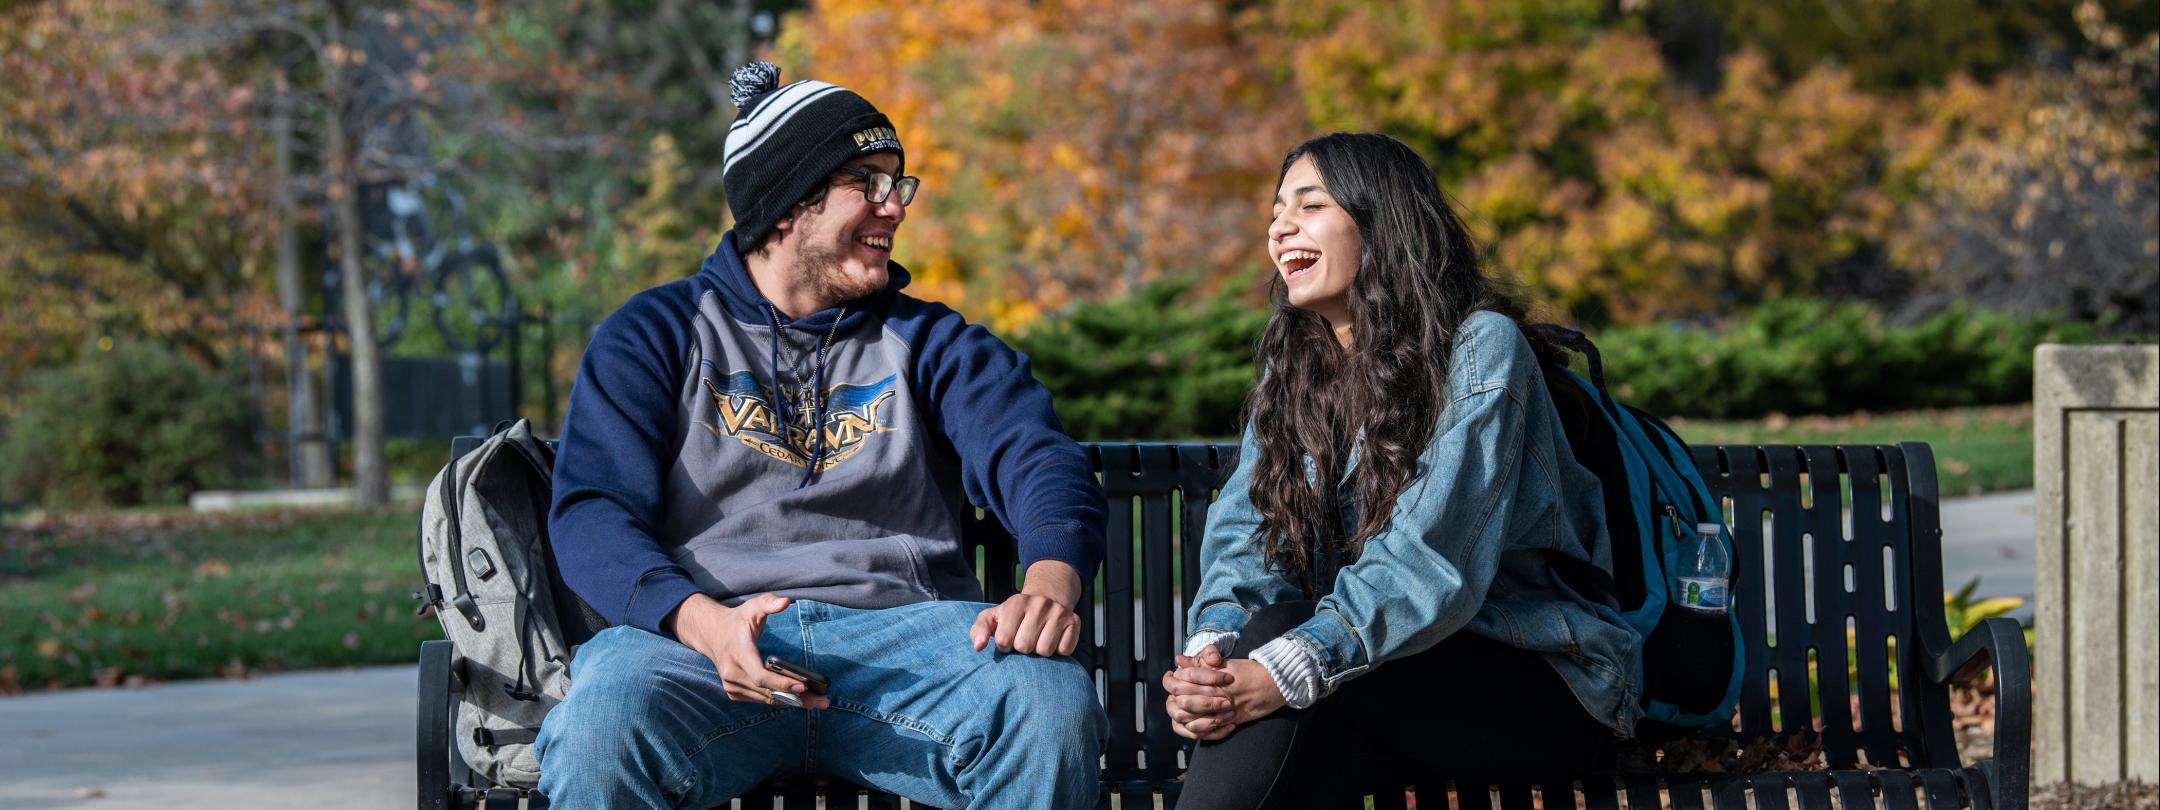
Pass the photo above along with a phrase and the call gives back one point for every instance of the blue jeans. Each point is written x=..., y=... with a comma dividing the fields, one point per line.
x=915, y=711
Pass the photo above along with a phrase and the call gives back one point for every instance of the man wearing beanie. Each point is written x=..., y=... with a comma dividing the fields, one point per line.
x=770, y=458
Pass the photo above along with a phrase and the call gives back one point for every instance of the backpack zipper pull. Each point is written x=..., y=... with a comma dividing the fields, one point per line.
x=1672, y=517
x=430, y=598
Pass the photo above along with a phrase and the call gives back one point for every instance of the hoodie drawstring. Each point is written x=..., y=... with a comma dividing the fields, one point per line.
x=818, y=400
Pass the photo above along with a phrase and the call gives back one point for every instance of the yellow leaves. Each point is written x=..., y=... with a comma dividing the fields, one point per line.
x=1625, y=224
x=1717, y=208
x=1508, y=191
x=1619, y=74
x=1060, y=142
x=1011, y=315
x=1072, y=223
x=1983, y=609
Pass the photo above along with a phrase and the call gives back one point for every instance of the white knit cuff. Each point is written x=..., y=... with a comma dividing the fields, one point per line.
x=1223, y=642
x=1296, y=672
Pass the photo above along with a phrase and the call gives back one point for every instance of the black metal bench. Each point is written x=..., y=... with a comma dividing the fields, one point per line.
x=1805, y=579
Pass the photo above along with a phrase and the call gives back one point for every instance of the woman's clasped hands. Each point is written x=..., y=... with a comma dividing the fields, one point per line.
x=1209, y=696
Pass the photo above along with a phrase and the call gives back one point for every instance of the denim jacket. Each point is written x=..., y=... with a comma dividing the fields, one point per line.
x=1497, y=490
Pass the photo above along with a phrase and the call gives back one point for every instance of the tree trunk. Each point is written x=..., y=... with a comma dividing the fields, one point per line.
x=371, y=473
x=1131, y=228
x=736, y=39
x=310, y=463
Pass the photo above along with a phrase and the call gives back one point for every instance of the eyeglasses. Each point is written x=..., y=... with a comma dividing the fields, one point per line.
x=877, y=186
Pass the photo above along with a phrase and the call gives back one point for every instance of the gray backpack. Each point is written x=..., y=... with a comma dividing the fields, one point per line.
x=492, y=582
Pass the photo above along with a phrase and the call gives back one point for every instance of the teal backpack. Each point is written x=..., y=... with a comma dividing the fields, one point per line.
x=1654, y=498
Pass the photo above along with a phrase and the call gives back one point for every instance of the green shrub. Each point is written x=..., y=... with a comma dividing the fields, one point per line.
x=1165, y=363
x=1159, y=363
x=1811, y=357
x=135, y=425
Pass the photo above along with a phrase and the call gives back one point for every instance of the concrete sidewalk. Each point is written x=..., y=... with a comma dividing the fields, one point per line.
x=329, y=739
x=344, y=739
x=1991, y=537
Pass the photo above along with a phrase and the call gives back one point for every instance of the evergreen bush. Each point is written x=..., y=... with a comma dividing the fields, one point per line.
x=1812, y=357
x=1162, y=362
x=139, y=424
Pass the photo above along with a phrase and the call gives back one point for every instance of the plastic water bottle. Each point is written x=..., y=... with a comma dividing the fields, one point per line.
x=1705, y=571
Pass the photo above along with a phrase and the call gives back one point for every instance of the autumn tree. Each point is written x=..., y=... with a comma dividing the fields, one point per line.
x=1913, y=46
x=336, y=96
x=2040, y=193
x=130, y=192
x=1069, y=149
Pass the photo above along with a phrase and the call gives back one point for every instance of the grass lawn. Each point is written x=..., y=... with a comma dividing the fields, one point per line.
x=110, y=598
x=1986, y=449
x=113, y=598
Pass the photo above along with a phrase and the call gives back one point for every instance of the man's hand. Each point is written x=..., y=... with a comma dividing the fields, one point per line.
x=729, y=637
x=1039, y=620
x=1209, y=697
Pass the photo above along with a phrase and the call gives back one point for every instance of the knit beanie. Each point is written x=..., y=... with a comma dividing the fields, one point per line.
x=787, y=140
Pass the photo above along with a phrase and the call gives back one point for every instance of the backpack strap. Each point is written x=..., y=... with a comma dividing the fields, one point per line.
x=462, y=599
x=1578, y=342
x=490, y=738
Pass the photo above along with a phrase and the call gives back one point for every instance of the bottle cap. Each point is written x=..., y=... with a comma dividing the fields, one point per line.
x=1709, y=528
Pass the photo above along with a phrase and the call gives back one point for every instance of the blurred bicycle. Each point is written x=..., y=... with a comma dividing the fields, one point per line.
x=473, y=305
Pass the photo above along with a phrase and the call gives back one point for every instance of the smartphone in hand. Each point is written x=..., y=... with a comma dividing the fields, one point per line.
x=813, y=682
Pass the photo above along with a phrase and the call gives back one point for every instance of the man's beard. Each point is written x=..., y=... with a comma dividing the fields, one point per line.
x=818, y=266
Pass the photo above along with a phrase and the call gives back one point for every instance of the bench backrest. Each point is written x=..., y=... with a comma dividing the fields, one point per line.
x=1816, y=591
x=1838, y=563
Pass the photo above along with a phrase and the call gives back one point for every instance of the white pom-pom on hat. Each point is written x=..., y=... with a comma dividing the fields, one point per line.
x=751, y=81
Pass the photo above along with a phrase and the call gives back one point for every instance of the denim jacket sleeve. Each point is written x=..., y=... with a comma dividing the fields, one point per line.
x=1425, y=576
x=1237, y=580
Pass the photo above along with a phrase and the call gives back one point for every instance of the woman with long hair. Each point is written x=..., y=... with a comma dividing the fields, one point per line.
x=1383, y=598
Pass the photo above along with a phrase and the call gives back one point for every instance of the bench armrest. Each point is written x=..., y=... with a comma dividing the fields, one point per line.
x=432, y=746
x=2001, y=643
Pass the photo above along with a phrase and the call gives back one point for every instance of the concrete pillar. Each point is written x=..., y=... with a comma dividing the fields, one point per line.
x=2096, y=479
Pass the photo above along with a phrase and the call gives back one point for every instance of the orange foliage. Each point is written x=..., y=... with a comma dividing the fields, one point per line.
x=1069, y=149
x=132, y=186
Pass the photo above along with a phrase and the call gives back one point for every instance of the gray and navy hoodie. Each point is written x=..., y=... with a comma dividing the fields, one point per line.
x=677, y=473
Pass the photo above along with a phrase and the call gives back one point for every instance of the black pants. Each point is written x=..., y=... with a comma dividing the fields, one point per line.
x=1469, y=708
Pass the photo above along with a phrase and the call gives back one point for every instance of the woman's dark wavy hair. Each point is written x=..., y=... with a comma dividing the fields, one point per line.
x=1417, y=280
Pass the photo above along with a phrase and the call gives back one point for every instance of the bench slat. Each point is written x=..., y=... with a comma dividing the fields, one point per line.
x=1811, y=789
x=1730, y=794
x=1157, y=613
x=1115, y=663
x=1600, y=793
